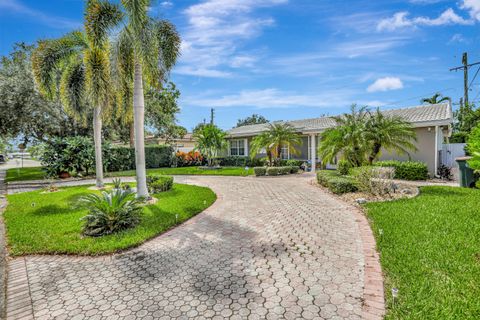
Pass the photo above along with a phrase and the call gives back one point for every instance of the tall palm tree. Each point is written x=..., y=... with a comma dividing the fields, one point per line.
x=278, y=136
x=346, y=138
x=389, y=133
x=82, y=60
x=436, y=98
x=153, y=46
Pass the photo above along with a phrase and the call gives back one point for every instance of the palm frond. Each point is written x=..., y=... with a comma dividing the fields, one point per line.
x=100, y=17
x=72, y=90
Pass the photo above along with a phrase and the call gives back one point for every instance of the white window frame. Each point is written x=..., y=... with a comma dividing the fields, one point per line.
x=237, y=147
x=285, y=150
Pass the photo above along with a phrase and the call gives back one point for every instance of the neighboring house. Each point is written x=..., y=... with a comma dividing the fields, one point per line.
x=432, y=123
x=185, y=144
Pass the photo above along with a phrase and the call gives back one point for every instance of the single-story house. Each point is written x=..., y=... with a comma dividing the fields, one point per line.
x=432, y=124
x=184, y=144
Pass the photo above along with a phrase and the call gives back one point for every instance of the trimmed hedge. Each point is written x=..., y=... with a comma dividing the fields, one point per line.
x=277, y=171
x=406, y=170
x=335, y=182
x=158, y=183
x=260, y=171
x=273, y=171
x=123, y=158
x=239, y=161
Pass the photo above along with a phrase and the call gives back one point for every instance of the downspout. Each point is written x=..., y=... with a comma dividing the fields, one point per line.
x=436, y=152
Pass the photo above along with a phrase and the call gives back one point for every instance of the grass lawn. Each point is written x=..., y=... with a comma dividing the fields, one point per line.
x=430, y=251
x=47, y=223
x=225, y=171
x=20, y=174
x=36, y=173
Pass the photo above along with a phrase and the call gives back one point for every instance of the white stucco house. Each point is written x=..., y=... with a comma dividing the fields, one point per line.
x=432, y=124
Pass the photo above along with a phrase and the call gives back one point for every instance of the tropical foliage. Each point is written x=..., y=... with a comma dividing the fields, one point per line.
x=277, y=136
x=360, y=135
x=436, y=98
x=473, y=148
x=24, y=112
x=210, y=141
x=110, y=212
x=82, y=59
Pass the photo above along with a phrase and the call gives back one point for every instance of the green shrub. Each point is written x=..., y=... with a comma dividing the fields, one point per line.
x=157, y=183
x=291, y=162
x=110, y=212
x=294, y=169
x=284, y=170
x=273, y=171
x=341, y=185
x=343, y=167
x=123, y=158
x=337, y=183
x=239, y=161
x=75, y=155
x=260, y=171
x=406, y=170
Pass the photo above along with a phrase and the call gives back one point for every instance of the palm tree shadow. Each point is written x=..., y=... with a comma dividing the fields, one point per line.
x=212, y=258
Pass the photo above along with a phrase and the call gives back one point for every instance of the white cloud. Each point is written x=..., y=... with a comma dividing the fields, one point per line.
x=166, y=4
x=401, y=20
x=385, y=84
x=17, y=7
x=457, y=38
x=216, y=28
x=275, y=98
x=473, y=7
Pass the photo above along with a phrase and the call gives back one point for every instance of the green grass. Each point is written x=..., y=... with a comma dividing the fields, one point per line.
x=36, y=173
x=41, y=223
x=21, y=174
x=430, y=251
x=225, y=171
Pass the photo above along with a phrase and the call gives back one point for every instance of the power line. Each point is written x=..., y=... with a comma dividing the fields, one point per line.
x=471, y=82
x=465, y=67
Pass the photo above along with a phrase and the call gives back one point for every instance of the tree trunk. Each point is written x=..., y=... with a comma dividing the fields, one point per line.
x=138, y=120
x=375, y=151
x=97, y=138
x=132, y=135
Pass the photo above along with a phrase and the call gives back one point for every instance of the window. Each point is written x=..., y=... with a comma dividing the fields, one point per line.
x=237, y=147
x=285, y=154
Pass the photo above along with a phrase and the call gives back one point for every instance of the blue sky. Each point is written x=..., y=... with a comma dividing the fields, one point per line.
x=292, y=59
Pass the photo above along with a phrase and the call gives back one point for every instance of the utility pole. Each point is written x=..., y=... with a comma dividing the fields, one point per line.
x=465, y=67
x=212, y=116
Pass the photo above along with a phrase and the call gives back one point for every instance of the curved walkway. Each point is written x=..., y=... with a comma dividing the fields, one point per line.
x=269, y=248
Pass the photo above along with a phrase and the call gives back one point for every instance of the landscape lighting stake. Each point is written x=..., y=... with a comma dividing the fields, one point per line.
x=394, y=294
x=176, y=218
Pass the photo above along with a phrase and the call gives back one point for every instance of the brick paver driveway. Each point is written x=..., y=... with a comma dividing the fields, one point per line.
x=269, y=248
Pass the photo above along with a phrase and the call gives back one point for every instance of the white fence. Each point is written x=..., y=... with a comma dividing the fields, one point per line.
x=450, y=151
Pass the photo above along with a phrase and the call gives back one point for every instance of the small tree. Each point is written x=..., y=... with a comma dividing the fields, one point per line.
x=210, y=141
x=347, y=138
x=253, y=119
x=277, y=136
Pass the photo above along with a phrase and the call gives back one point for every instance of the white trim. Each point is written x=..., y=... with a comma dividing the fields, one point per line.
x=246, y=147
x=314, y=153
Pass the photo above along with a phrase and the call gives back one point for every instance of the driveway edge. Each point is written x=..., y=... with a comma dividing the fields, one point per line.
x=373, y=291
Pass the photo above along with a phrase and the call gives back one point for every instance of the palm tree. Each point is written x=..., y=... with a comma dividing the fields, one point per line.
x=436, y=98
x=153, y=46
x=346, y=138
x=210, y=140
x=277, y=136
x=82, y=60
x=389, y=133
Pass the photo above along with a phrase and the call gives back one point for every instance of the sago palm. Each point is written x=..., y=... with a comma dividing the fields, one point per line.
x=277, y=136
x=147, y=50
x=389, y=133
x=82, y=61
x=347, y=138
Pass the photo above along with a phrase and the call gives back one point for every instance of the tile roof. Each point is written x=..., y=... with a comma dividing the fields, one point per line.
x=418, y=116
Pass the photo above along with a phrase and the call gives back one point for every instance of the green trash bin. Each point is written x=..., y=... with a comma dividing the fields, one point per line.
x=467, y=179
